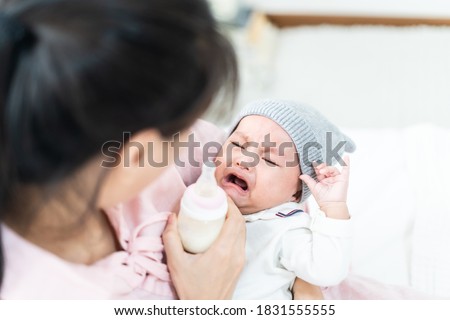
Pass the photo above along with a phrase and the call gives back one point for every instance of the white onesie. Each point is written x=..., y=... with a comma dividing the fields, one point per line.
x=284, y=243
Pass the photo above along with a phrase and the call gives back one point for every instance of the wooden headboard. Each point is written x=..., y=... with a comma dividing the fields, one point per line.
x=291, y=20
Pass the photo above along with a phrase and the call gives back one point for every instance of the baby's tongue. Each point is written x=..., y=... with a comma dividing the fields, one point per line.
x=241, y=183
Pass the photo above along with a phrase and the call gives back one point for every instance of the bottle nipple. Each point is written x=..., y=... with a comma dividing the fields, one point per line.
x=206, y=185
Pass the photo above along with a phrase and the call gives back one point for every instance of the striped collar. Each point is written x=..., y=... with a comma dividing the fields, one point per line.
x=285, y=210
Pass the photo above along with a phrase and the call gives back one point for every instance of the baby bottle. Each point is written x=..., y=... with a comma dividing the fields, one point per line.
x=203, y=209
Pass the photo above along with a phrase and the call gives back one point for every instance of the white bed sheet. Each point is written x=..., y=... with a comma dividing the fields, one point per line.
x=399, y=199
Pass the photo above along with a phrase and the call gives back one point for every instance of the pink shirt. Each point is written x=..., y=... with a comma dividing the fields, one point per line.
x=136, y=272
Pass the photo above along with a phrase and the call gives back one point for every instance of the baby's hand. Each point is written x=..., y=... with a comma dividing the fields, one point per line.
x=331, y=189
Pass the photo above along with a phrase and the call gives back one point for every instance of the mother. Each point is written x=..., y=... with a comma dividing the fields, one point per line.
x=73, y=76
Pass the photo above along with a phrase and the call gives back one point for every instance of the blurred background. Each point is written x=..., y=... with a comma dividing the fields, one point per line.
x=379, y=69
x=365, y=63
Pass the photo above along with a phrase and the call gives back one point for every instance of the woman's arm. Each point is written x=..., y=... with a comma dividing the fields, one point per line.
x=214, y=273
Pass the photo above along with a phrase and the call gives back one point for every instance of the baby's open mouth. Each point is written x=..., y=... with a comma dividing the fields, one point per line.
x=237, y=181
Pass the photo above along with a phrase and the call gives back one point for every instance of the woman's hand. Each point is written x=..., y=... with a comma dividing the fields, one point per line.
x=303, y=290
x=214, y=273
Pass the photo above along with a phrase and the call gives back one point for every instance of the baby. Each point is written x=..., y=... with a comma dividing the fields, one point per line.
x=276, y=156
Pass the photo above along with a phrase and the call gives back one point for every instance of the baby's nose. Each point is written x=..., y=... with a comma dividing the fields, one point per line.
x=246, y=161
x=243, y=165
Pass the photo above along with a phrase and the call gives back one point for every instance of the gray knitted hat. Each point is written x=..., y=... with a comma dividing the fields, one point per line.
x=316, y=139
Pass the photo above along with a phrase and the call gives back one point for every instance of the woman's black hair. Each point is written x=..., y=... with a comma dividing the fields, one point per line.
x=75, y=74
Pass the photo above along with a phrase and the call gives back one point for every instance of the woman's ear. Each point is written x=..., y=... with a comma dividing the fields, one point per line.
x=138, y=163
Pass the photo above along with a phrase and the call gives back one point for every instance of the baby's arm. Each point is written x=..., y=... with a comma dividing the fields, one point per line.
x=321, y=255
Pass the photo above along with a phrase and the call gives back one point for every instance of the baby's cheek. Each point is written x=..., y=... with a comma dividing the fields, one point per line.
x=295, y=184
x=220, y=159
x=219, y=172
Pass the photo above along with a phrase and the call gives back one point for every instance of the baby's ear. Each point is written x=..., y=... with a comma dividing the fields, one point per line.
x=297, y=196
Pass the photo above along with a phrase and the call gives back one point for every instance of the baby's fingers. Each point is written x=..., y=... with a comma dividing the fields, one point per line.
x=310, y=182
x=329, y=172
x=346, y=167
x=317, y=168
